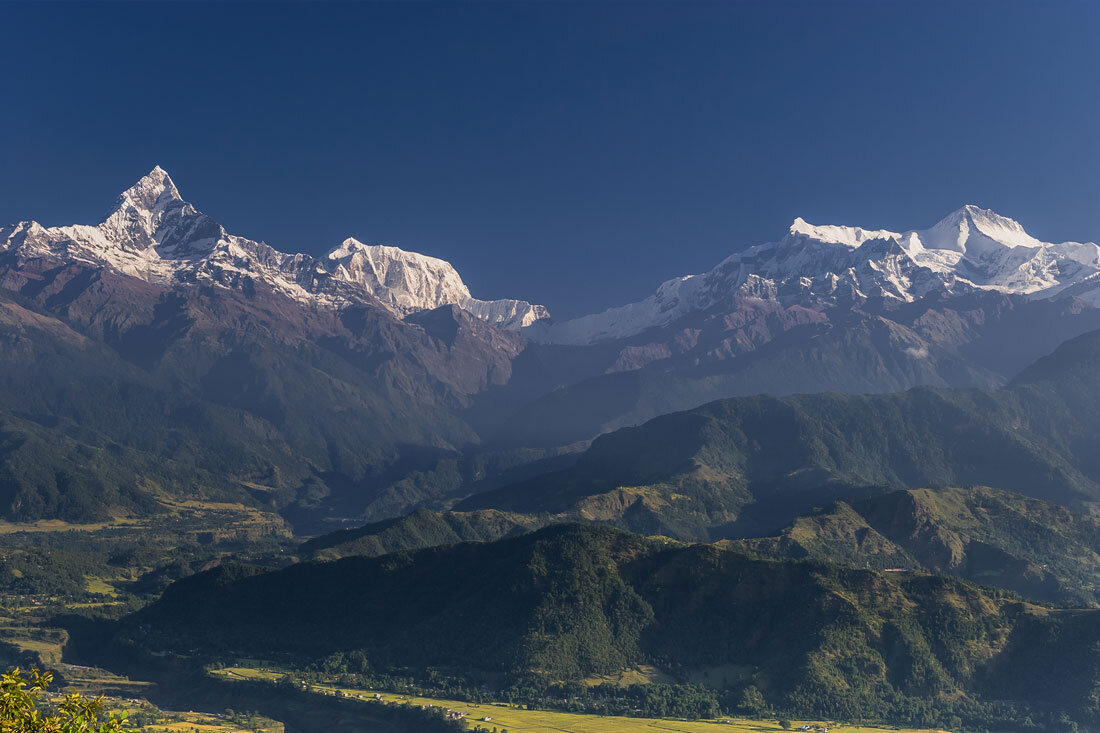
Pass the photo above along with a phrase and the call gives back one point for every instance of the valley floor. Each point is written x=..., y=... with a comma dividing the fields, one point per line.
x=503, y=716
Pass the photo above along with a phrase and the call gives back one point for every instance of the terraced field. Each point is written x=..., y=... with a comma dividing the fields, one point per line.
x=201, y=723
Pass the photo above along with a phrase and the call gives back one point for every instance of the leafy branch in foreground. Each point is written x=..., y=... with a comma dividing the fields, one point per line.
x=20, y=711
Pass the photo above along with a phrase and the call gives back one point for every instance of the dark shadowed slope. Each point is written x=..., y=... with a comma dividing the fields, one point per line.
x=420, y=529
x=574, y=600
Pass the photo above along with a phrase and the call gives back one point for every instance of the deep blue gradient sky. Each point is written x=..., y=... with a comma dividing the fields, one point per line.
x=570, y=154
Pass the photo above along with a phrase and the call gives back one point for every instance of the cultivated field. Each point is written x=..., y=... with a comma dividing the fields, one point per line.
x=201, y=723
x=517, y=720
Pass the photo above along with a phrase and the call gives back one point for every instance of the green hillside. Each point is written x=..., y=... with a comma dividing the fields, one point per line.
x=571, y=601
x=420, y=529
x=996, y=538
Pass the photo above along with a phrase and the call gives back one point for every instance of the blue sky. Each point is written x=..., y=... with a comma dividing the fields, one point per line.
x=574, y=154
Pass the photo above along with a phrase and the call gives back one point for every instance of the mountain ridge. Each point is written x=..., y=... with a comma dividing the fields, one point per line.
x=747, y=465
x=970, y=249
x=154, y=235
x=370, y=408
x=984, y=535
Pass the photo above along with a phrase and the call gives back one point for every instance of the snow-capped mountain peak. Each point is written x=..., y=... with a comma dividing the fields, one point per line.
x=410, y=282
x=970, y=249
x=850, y=236
x=152, y=213
x=964, y=228
x=152, y=192
x=407, y=281
x=153, y=234
x=380, y=266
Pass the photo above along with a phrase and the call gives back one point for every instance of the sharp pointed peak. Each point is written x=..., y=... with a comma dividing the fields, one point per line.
x=978, y=215
x=145, y=204
x=152, y=192
x=158, y=180
x=953, y=230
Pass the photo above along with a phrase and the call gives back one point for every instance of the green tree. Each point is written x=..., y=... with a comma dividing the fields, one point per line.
x=20, y=711
x=752, y=701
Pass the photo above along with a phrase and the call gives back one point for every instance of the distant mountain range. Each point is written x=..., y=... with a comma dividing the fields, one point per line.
x=155, y=352
x=969, y=250
x=154, y=235
x=846, y=474
x=748, y=465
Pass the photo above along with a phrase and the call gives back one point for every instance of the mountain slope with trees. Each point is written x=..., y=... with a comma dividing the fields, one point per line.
x=987, y=536
x=420, y=529
x=570, y=601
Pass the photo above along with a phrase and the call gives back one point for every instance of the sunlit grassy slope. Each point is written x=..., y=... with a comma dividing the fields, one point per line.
x=517, y=719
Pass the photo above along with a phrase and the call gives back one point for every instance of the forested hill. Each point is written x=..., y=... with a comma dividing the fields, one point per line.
x=571, y=601
x=422, y=528
x=996, y=538
x=750, y=465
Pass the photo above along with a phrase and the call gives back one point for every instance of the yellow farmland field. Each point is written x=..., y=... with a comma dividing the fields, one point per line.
x=192, y=722
x=518, y=720
x=190, y=726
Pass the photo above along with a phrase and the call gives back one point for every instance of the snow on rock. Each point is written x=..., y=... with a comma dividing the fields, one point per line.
x=409, y=282
x=972, y=248
x=153, y=234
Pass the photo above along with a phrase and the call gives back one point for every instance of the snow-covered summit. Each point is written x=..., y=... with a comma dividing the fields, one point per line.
x=410, y=281
x=406, y=280
x=153, y=234
x=141, y=208
x=971, y=248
